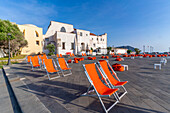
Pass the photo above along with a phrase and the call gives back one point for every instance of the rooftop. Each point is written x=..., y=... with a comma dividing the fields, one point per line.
x=93, y=34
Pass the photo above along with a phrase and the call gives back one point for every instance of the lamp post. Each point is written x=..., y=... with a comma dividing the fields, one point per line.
x=9, y=36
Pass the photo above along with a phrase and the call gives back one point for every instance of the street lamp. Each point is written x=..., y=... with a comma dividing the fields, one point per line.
x=9, y=36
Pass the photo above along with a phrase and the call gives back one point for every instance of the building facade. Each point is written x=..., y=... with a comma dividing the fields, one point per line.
x=118, y=51
x=68, y=39
x=34, y=37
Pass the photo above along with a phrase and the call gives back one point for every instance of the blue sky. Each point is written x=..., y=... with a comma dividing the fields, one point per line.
x=127, y=22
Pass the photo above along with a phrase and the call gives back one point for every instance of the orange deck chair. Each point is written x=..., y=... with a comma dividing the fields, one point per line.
x=72, y=54
x=28, y=59
x=101, y=89
x=50, y=68
x=57, y=55
x=63, y=66
x=61, y=55
x=42, y=59
x=35, y=62
x=111, y=77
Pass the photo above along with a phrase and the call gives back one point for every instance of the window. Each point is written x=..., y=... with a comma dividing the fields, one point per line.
x=72, y=45
x=81, y=34
x=62, y=29
x=36, y=34
x=63, y=45
x=101, y=39
x=86, y=34
x=94, y=45
x=37, y=43
x=97, y=39
x=83, y=46
x=92, y=38
x=47, y=39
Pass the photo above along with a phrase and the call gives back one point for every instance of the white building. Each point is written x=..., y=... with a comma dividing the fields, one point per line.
x=68, y=39
x=119, y=51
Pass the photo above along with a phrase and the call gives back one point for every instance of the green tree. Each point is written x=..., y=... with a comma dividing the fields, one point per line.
x=109, y=49
x=92, y=49
x=137, y=50
x=129, y=51
x=17, y=41
x=51, y=48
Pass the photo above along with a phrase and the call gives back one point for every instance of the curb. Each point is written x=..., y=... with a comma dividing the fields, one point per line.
x=23, y=101
x=14, y=101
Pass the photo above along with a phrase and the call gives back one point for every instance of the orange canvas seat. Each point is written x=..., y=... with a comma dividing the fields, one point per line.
x=75, y=58
x=115, y=65
x=121, y=83
x=118, y=59
x=106, y=57
x=69, y=61
x=119, y=68
x=102, y=57
x=100, y=88
x=111, y=76
x=50, y=68
x=76, y=61
x=35, y=62
x=28, y=59
x=158, y=55
x=72, y=54
x=57, y=55
x=82, y=59
x=63, y=66
x=91, y=58
x=113, y=56
x=42, y=58
x=125, y=55
x=39, y=56
x=150, y=56
x=79, y=59
x=61, y=55
x=153, y=55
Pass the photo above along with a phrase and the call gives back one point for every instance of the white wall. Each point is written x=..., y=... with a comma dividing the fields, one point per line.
x=68, y=38
x=56, y=26
x=53, y=33
x=122, y=51
x=83, y=39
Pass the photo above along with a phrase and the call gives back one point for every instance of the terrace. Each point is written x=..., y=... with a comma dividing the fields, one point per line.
x=148, y=89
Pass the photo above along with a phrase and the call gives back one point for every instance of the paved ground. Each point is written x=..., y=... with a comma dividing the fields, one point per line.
x=5, y=103
x=148, y=89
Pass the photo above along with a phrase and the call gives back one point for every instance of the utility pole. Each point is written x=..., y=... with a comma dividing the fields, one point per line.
x=9, y=59
x=143, y=48
x=151, y=49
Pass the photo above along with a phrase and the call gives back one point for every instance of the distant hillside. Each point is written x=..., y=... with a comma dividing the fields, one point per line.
x=127, y=47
